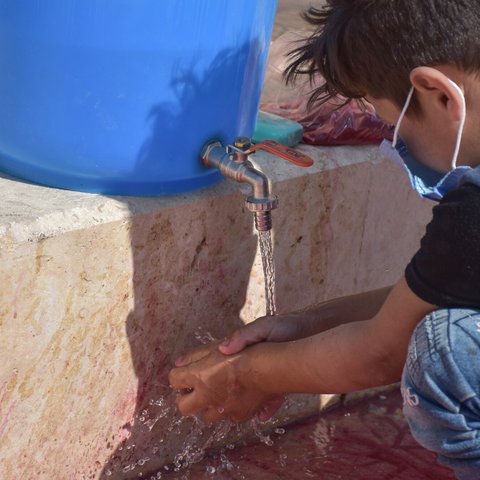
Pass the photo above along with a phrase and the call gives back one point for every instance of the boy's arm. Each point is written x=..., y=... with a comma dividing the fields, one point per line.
x=350, y=357
x=307, y=322
x=297, y=325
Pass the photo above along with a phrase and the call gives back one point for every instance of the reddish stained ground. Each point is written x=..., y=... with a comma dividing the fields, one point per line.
x=366, y=441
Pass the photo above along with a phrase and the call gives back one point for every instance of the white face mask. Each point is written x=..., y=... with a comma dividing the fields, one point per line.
x=425, y=181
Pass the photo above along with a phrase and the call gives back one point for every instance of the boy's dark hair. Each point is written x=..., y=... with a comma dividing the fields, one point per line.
x=370, y=47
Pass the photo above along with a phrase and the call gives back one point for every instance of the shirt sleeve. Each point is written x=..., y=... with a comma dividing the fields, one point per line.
x=446, y=270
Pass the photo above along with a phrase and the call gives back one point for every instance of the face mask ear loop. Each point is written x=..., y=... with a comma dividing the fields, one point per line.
x=402, y=115
x=462, y=124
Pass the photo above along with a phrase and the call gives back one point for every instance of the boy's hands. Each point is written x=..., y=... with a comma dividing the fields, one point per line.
x=218, y=386
x=349, y=356
x=281, y=328
x=196, y=354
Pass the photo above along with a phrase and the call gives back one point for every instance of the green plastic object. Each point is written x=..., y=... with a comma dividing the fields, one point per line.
x=273, y=127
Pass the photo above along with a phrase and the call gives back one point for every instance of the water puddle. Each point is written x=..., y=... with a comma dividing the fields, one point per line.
x=366, y=441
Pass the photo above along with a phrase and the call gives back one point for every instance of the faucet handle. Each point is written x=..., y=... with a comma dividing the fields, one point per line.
x=287, y=153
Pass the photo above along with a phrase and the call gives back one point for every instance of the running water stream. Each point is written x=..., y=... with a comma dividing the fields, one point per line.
x=266, y=250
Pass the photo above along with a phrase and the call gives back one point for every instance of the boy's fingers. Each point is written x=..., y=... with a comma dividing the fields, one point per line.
x=241, y=414
x=213, y=415
x=248, y=335
x=180, y=379
x=191, y=403
x=193, y=356
x=270, y=409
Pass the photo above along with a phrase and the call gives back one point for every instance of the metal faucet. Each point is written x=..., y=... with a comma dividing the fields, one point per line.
x=233, y=162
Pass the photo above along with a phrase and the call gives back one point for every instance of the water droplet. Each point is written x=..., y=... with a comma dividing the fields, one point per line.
x=266, y=250
x=141, y=462
x=280, y=431
x=221, y=409
x=269, y=442
x=230, y=446
x=145, y=412
x=166, y=468
x=108, y=473
x=210, y=470
x=383, y=397
x=225, y=462
x=159, y=475
x=142, y=419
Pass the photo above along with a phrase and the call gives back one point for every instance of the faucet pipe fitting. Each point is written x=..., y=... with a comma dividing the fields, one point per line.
x=215, y=155
x=233, y=163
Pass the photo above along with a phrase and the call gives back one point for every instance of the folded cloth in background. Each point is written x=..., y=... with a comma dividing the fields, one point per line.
x=328, y=124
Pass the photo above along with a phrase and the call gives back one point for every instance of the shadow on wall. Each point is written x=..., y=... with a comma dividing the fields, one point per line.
x=192, y=265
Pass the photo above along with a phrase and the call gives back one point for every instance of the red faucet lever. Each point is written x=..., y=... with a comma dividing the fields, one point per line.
x=287, y=153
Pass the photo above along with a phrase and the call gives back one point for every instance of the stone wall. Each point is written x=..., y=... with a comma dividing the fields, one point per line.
x=99, y=295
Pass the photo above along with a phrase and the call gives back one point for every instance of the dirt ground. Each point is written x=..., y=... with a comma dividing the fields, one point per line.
x=288, y=15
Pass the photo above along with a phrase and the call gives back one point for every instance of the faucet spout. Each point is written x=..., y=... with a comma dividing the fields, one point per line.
x=232, y=161
x=257, y=180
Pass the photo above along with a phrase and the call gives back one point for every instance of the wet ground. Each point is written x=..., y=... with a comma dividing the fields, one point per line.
x=369, y=440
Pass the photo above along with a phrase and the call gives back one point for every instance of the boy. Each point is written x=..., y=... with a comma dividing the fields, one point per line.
x=418, y=63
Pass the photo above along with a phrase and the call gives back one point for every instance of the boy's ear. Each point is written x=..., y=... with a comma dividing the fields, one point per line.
x=437, y=91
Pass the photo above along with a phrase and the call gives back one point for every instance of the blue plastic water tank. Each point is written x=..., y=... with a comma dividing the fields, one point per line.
x=119, y=96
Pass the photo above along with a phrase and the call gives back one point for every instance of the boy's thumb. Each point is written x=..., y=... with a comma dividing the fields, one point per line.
x=250, y=334
x=233, y=344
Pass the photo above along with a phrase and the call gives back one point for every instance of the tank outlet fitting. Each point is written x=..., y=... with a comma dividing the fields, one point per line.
x=262, y=208
x=233, y=162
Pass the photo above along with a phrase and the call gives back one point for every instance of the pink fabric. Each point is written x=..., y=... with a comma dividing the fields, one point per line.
x=328, y=125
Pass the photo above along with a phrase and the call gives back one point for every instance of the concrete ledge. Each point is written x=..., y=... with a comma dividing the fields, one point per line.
x=100, y=294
